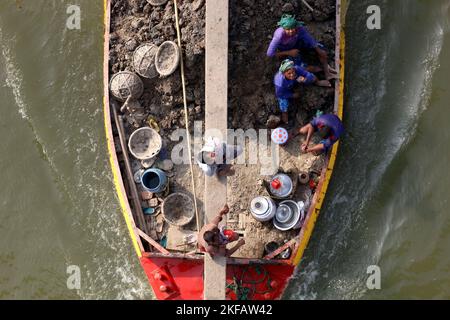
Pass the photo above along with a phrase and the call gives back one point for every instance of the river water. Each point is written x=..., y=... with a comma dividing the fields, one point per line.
x=387, y=204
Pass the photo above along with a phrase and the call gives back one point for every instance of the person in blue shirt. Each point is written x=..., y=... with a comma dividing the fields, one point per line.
x=330, y=129
x=285, y=80
x=290, y=38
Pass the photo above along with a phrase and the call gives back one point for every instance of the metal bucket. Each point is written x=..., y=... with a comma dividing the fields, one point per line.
x=154, y=180
x=263, y=208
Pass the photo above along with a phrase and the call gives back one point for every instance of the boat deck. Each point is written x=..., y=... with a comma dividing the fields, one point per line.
x=241, y=188
x=247, y=184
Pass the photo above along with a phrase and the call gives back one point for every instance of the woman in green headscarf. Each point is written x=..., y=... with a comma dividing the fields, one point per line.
x=288, y=76
x=290, y=37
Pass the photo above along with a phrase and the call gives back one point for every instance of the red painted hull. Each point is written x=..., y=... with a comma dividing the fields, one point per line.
x=182, y=279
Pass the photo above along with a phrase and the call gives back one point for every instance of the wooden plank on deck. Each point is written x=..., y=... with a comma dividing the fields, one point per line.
x=216, y=100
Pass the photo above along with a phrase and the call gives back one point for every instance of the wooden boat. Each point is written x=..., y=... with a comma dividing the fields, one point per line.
x=177, y=276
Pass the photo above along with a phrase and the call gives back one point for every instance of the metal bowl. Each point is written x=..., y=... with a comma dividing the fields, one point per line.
x=290, y=222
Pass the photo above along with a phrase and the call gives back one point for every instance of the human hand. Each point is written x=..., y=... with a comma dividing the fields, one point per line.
x=304, y=147
x=225, y=210
x=294, y=52
x=301, y=79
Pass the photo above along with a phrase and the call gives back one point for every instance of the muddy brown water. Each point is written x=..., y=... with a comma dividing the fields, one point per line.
x=387, y=204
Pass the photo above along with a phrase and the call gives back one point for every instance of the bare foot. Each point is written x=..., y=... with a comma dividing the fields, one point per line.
x=332, y=70
x=330, y=76
x=323, y=83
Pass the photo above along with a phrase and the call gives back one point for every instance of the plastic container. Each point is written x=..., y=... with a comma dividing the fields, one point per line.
x=280, y=136
x=154, y=180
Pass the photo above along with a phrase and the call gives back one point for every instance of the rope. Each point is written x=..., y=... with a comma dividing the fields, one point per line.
x=245, y=289
x=186, y=118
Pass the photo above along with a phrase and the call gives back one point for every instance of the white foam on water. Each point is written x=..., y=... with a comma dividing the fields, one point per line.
x=412, y=104
x=14, y=78
x=415, y=107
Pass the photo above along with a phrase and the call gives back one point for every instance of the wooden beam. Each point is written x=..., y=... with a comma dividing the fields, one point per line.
x=129, y=173
x=152, y=242
x=216, y=100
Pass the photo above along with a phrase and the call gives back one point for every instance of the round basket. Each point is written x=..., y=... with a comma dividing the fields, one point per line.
x=144, y=60
x=167, y=58
x=157, y=2
x=125, y=84
x=145, y=143
x=178, y=209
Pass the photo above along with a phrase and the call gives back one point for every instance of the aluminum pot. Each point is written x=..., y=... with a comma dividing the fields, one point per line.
x=263, y=209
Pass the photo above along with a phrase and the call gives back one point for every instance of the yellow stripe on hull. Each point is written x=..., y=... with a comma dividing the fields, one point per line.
x=114, y=165
x=308, y=229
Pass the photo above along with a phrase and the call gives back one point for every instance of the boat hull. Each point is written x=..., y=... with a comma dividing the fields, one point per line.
x=179, y=277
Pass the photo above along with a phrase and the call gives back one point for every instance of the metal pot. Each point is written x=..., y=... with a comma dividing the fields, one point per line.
x=281, y=186
x=263, y=209
x=287, y=216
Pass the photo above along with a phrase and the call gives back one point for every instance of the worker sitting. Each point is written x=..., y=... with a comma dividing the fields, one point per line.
x=286, y=78
x=214, y=241
x=330, y=129
x=290, y=38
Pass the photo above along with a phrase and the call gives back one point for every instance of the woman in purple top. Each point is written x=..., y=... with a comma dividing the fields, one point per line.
x=286, y=78
x=290, y=37
x=330, y=129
